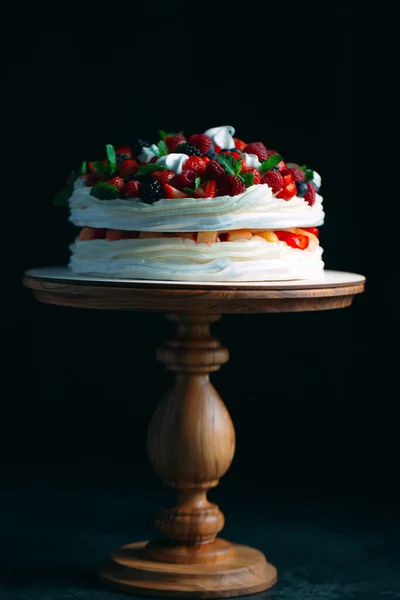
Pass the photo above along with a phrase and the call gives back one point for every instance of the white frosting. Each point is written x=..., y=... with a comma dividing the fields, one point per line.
x=222, y=136
x=251, y=160
x=316, y=178
x=255, y=208
x=174, y=161
x=148, y=153
x=183, y=259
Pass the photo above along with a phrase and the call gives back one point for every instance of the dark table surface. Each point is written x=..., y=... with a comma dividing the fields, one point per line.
x=54, y=535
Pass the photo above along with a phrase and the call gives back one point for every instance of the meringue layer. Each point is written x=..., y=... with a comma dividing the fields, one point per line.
x=255, y=208
x=179, y=259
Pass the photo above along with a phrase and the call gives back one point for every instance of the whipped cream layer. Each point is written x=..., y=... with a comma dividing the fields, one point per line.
x=255, y=208
x=180, y=259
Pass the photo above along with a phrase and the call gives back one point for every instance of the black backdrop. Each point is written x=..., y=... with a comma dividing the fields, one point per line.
x=311, y=395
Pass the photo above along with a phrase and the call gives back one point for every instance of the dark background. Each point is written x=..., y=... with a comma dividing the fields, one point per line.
x=311, y=394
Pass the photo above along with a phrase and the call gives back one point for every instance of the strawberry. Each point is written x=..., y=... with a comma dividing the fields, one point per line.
x=202, y=141
x=196, y=164
x=172, y=192
x=294, y=240
x=117, y=181
x=296, y=171
x=130, y=235
x=288, y=191
x=258, y=149
x=123, y=153
x=274, y=180
x=313, y=230
x=214, y=170
x=236, y=185
x=286, y=176
x=127, y=168
x=310, y=195
x=92, y=179
x=162, y=175
x=131, y=189
x=113, y=235
x=207, y=189
x=253, y=171
x=173, y=141
x=184, y=179
x=239, y=144
x=232, y=152
x=86, y=234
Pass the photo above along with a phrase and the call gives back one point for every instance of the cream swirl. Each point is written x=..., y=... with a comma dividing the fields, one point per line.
x=173, y=162
x=222, y=136
x=183, y=259
x=255, y=208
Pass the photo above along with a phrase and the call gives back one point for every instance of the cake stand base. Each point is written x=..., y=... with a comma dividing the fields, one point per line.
x=242, y=571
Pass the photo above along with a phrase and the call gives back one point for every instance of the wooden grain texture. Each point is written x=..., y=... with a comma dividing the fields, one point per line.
x=165, y=298
x=245, y=572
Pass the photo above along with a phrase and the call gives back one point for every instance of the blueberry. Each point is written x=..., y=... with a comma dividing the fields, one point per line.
x=301, y=188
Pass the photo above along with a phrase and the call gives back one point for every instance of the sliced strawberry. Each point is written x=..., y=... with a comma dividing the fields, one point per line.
x=239, y=144
x=287, y=176
x=208, y=189
x=294, y=240
x=313, y=230
x=112, y=235
x=287, y=192
x=86, y=234
x=189, y=235
x=172, y=192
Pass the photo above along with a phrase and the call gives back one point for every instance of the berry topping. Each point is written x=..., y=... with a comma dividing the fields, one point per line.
x=184, y=179
x=131, y=189
x=173, y=140
x=162, y=175
x=196, y=164
x=302, y=188
x=208, y=189
x=235, y=185
x=256, y=174
x=258, y=149
x=117, y=181
x=295, y=240
x=288, y=191
x=172, y=192
x=152, y=191
x=274, y=180
x=188, y=149
x=297, y=172
x=311, y=193
x=127, y=168
x=201, y=141
x=239, y=144
x=232, y=152
x=214, y=169
x=123, y=153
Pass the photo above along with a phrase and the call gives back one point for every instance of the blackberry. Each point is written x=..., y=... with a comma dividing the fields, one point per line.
x=121, y=157
x=138, y=145
x=151, y=191
x=188, y=149
x=302, y=188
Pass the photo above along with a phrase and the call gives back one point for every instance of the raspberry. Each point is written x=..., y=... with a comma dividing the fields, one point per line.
x=258, y=149
x=296, y=171
x=118, y=182
x=202, y=141
x=184, y=179
x=309, y=196
x=253, y=171
x=235, y=185
x=132, y=189
x=172, y=141
x=274, y=179
x=196, y=164
x=163, y=175
x=214, y=170
x=127, y=168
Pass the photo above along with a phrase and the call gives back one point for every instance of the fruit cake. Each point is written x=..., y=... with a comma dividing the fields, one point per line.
x=201, y=207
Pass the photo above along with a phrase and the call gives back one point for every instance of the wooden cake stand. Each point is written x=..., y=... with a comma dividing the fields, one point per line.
x=191, y=439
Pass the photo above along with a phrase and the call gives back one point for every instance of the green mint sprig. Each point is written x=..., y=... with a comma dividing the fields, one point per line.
x=164, y=134
x=270, y=163
x=62, y=197
x=162, y=149
x=233, y=166
x=309, y=173
x=149, y=167
x=105, y=191
x=197, y=182
x=106, y=168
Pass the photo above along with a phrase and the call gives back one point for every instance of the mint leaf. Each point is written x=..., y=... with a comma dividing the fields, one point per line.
x=197, y=182
x=162, y=148
x=231, y=165
x=145, y=169
x=62, y=197
x=162, y=134
x=104, y=191
x=247, y=178
x=309, y=174
x=101, y=168
x=83, y=168
x=112, y=158
x=270, y=163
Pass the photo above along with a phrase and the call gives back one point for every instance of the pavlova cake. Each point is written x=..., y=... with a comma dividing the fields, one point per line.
x=204, y=207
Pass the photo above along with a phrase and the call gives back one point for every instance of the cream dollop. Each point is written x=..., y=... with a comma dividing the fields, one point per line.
x=222, y=136
x=251, y=160
x=148, y=153
x=174, y=162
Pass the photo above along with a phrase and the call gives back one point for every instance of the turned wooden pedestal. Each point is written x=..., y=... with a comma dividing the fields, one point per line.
x=191, y=439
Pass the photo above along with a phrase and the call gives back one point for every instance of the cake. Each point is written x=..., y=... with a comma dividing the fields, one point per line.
x=201, y=207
